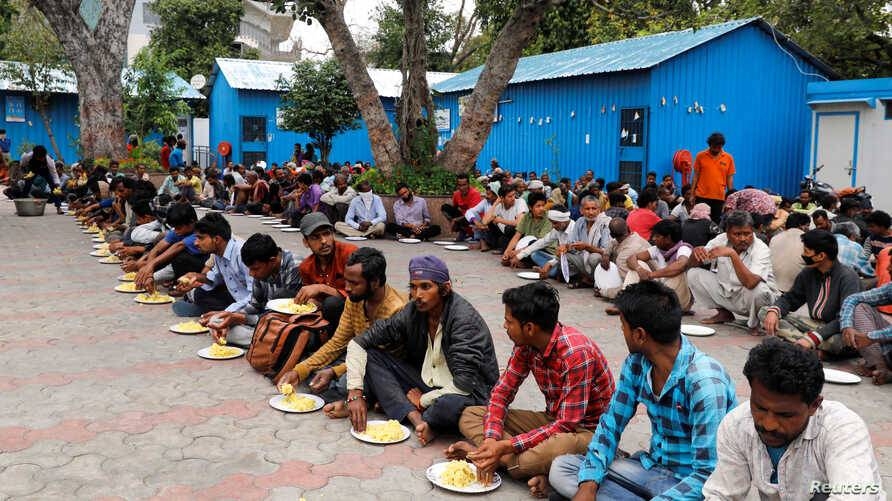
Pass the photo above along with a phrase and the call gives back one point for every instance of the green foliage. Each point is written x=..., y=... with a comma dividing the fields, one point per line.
x=148, y=154
x=425, y=181
x=318, y=102
x=150, y=100
x=387, y=42
x=194, y=32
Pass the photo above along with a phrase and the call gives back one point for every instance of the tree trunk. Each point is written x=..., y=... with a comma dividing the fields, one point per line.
x=41, y=104
x=415, y=93
x=476, y=121
x=385, y=150
x=97, y=56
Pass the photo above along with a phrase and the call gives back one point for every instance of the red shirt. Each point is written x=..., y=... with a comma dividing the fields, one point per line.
x=463, y=203
x=165, y=157
x=573, y=375
x=334, y=277
x=642, y=221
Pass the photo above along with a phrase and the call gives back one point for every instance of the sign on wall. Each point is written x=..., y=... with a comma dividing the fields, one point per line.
x=15, y=108
x=280, y=118
x=442, y=119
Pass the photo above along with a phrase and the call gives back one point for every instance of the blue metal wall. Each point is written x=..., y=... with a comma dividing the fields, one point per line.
x=228, y=105
x=63, y=113
x=766, y=118
x=563, y=112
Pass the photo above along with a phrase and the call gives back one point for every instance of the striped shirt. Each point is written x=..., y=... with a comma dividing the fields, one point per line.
x=573, y=375
x=874, y=297
x=684, y=419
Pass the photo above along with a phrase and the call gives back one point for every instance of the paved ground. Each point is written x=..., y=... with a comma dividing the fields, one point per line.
x=99, y=400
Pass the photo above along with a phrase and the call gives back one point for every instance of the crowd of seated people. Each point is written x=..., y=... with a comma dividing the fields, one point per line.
x=427, y=358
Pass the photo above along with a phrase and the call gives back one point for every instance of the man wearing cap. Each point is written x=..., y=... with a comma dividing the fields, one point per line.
x=559, y=236
x=449, y=361
x=322, y=272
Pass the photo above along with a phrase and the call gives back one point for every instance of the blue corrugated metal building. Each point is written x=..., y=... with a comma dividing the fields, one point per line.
x=244, y=104
x=623, y=108
x=24, y=125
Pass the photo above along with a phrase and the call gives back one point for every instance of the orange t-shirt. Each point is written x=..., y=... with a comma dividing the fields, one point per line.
x=334, y=277
x=712, y=174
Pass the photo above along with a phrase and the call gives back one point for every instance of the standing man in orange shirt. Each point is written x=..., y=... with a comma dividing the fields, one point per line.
x=713, y=175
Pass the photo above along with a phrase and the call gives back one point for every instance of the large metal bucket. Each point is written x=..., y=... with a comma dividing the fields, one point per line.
x=29, y=206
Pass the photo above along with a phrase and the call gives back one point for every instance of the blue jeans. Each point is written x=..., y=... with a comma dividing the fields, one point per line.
x=626, y=479
x=541, y=258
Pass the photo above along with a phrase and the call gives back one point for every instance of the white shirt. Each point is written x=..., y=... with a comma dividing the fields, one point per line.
x=757, y=259
x=511, y=214
x=834, y=450
x=146, y=233
x=657, y=257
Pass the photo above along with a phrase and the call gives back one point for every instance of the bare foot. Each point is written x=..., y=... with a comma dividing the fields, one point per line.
x=720, y=317
x=538, y=486
x=459, y=450
x=543, y=271
x=424, y=433
x=881, y=376
x=336, y=410
x=755, y=331
x=864, y=369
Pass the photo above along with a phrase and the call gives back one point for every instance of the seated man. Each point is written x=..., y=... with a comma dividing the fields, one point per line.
x=190, y=185
x=821, y=285
x=275, y=276
x=140, y=237
x=503, y=217
x=335, y=202
x=306, y=198
x=532, y=224
x=686, y=394
x=623, y=245
x=867, y=330
x=788, y=442
x=547, y=263
x=369, y=299
x=449, y=362
x=850, y=251
x=821, y=220
x=412, y=219
x=589, y=239
x=227, y=285
x=786, y=251
x=258, y=195
x=805, y=204
x=175, y=255
x=616, y=204
x=643, y=219
x=322, y=272
x=879, y=227
x=365, y=216
x=666, y=262
x=170, y=187
x=573, y=376
x=740, y=280
x=476, y=214
x=464, y=197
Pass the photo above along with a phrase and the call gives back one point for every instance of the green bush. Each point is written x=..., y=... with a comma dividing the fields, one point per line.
x=423, y=181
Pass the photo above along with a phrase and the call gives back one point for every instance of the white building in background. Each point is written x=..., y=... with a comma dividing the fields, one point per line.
x=850, y=135
x=261, y=29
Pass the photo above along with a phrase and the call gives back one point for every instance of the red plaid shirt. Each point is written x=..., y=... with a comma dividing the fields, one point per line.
x=573, y=375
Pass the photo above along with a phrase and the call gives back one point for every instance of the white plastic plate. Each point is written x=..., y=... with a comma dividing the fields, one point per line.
x=696, y=330
x=456, y=247
x=433, y=474
x=840, y=377
x=206, y=353
x=276, y=402
x=365, y=438
x=528, y=275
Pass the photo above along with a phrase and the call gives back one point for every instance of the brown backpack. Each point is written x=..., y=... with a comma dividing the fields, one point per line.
x=280, y=340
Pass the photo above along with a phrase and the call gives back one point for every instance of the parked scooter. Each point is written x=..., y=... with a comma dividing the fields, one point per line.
x=820, y=189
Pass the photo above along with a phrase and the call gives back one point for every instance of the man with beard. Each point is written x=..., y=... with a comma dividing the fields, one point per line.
x=588, y=243
x=369, y=299
x=790, y=443
x=322, y=272
x=411, y=216
x=449, y=361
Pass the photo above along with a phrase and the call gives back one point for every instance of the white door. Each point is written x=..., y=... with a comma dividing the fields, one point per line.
x=836, y=147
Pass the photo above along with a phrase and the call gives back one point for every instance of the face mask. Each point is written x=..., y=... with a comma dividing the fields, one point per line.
x=366, y=197
x=808, y=260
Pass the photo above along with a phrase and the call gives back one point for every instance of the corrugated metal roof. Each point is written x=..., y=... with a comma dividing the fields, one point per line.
x=250, y=74
x=622, y=55
x=66, y=83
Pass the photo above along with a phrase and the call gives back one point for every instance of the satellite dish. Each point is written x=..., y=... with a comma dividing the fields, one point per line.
x=198, y=81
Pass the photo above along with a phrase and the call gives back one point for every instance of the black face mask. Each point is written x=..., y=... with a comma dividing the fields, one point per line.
x=808, y=260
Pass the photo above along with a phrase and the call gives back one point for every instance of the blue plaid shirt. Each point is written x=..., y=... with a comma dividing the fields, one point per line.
x=874, y=297
x=851, y=254
x=684, y=420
